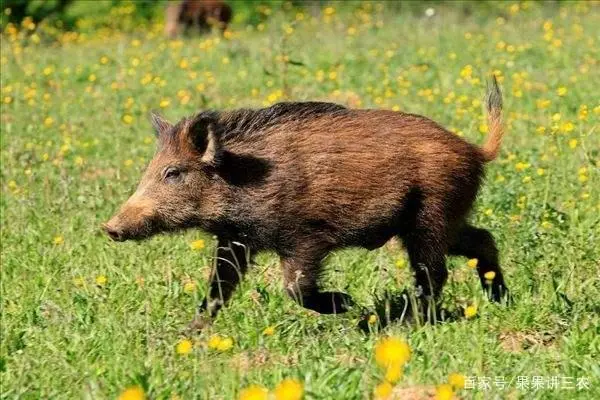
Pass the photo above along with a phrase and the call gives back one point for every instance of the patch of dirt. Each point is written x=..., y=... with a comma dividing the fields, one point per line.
x=413, y=393
x=98, y=173
x=516, y=342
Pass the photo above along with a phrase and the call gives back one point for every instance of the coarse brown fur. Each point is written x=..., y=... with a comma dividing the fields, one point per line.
x=198, y=14
x=304, y=179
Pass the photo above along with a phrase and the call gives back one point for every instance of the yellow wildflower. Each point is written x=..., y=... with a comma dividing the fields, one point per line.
x=197, y=244
x=490, y=275
x=393, y=373
x=254, y=392
x=289, y=389
x=101, y=280
x=184, y=347
x=225, y=344
x=472, y=263
x=471, y=311
x=444, y=392
x=132, y=393
x=457, y=381
x=391, y=351
x=383, y=391
x=58, y=240
x=189, y=287
x=269, y=331
x=219, y=343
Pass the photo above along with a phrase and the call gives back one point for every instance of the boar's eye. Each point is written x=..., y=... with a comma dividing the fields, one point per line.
x=172, y=175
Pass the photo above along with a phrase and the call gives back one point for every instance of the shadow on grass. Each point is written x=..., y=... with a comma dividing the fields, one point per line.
x=404, y=308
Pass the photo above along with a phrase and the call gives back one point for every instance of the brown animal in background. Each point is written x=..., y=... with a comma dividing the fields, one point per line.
x=199, y=14
x=304, y=179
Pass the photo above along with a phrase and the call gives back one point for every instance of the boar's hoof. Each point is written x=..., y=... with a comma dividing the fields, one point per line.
x=328, y=302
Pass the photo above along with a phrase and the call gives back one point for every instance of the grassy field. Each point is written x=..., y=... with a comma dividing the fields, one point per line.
x=85, y=317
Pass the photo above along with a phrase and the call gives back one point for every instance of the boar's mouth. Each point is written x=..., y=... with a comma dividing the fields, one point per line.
x=120, y=232
x=145, y=230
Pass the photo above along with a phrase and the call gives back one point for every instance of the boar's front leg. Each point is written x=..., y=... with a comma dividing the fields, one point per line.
x=301, y=275
x=230, y=266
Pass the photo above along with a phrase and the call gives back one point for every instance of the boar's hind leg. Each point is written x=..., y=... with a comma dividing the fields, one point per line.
x=231, y=265
x=300, y=280
x=478, y=243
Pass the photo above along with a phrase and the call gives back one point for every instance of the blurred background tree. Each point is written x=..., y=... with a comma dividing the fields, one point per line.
x=64, y=14
x=15, y=11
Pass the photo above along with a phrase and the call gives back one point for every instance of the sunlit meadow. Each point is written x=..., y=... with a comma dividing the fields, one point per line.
x=84, y=317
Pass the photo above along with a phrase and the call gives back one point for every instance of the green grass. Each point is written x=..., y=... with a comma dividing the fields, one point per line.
x=64, y=336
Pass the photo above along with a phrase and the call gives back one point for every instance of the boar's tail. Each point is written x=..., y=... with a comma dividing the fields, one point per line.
x=493, y=102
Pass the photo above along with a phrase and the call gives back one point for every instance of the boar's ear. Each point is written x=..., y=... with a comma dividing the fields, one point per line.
x=204, y=136
x=159, y=124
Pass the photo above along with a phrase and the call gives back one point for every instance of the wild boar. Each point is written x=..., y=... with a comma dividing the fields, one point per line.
x=199, y=14
x=304, y=179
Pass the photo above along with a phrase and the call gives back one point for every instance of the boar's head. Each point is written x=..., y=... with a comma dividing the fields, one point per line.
x=178, y=189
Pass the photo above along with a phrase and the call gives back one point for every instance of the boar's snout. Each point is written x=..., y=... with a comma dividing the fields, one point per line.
x=135, y=221
x=113, y=232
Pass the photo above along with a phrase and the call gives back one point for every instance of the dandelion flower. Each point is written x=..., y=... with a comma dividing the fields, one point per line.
x=444, y=392
x=101, y=280
x=128, y=163
x=457, y=381
x=372, y=319
x=561, y=91
x=393, y=373
x=471, y=311
x=254, y=392
x=573, y=143
x=490, y=275
x=197, y=244
x=391, y=351
x=225, y=344
x=184, y=347
x=400, y=263
x=289, y=389
x=132, y=393
x=269, y=331
x=48, y=122
x=472, y=263
x=58, y=240
x=383, y=391
x=189, y=287
x=127, y=119
x=213, y=342
x=219, y=343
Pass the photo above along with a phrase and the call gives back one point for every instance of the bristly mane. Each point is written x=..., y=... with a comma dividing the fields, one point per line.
x=249, y=121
